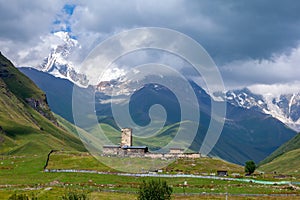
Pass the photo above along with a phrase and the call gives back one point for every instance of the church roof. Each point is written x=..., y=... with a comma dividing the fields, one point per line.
x=134, y=147
x=111, y=146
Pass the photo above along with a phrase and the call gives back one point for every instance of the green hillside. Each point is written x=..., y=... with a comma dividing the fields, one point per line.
x=291, y=145
x=23, y=88
x=287, y=163
x=285, y=160
x=17, y=82
x=27, y=125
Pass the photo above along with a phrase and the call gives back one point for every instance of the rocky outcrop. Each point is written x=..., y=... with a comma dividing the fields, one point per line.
x=4, y=69
x=1, y=136
x=42, y=107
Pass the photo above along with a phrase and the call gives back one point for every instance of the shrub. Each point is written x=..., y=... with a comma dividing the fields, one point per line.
x=154, y=190
x=74, y=196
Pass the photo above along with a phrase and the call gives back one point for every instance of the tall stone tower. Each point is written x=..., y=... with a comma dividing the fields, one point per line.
x=126, y=137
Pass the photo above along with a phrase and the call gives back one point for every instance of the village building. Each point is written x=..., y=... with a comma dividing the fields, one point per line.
x=222, y=173
x=126, y=149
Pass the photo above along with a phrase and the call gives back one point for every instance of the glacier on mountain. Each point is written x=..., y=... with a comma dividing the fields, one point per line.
x=285, y=107
x=58, y=63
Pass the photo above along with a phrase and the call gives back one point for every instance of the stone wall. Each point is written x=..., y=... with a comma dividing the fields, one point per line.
x=111, y=150
x=170, y=155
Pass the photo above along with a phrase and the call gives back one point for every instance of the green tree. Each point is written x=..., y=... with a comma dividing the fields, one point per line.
x=154, y=190
x=250, y=167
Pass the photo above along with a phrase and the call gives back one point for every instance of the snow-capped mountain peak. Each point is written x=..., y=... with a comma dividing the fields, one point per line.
x=58, y=61
x=285, y=107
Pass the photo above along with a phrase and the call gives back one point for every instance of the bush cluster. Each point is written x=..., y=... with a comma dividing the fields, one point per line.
x=154, y=190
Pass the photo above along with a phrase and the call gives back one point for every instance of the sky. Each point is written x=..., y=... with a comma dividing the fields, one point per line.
x=254, y=43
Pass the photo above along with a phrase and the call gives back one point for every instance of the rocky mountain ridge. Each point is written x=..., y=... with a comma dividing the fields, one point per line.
x=247, y=134
x=285, y=107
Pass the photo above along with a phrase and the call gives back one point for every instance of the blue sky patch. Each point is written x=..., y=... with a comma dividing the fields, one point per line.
x=62, y=21
x=69, y=9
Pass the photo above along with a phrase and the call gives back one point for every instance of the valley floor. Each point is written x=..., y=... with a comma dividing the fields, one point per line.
x=25, y=174
x=54, y=193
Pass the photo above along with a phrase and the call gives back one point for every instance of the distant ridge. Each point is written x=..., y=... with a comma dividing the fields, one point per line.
x=247, y=134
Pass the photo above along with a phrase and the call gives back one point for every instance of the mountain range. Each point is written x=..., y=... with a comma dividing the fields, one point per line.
x=247, y=134
x=253, y=127
x=284, y=107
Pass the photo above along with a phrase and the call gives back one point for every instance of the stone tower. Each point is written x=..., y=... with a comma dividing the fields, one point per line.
x=126, y=137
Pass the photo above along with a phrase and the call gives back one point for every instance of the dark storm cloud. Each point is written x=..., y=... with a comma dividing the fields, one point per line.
x=256, y=29
x=258, y=42
x=229, y=30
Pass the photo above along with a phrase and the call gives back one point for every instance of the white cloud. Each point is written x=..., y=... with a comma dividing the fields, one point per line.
x=276, y=89
x=25, y=29
x=280, y=69
x=28, y=55
x=112, y=73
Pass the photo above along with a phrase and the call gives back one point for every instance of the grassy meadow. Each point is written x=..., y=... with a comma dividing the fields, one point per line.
x=24, y=174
